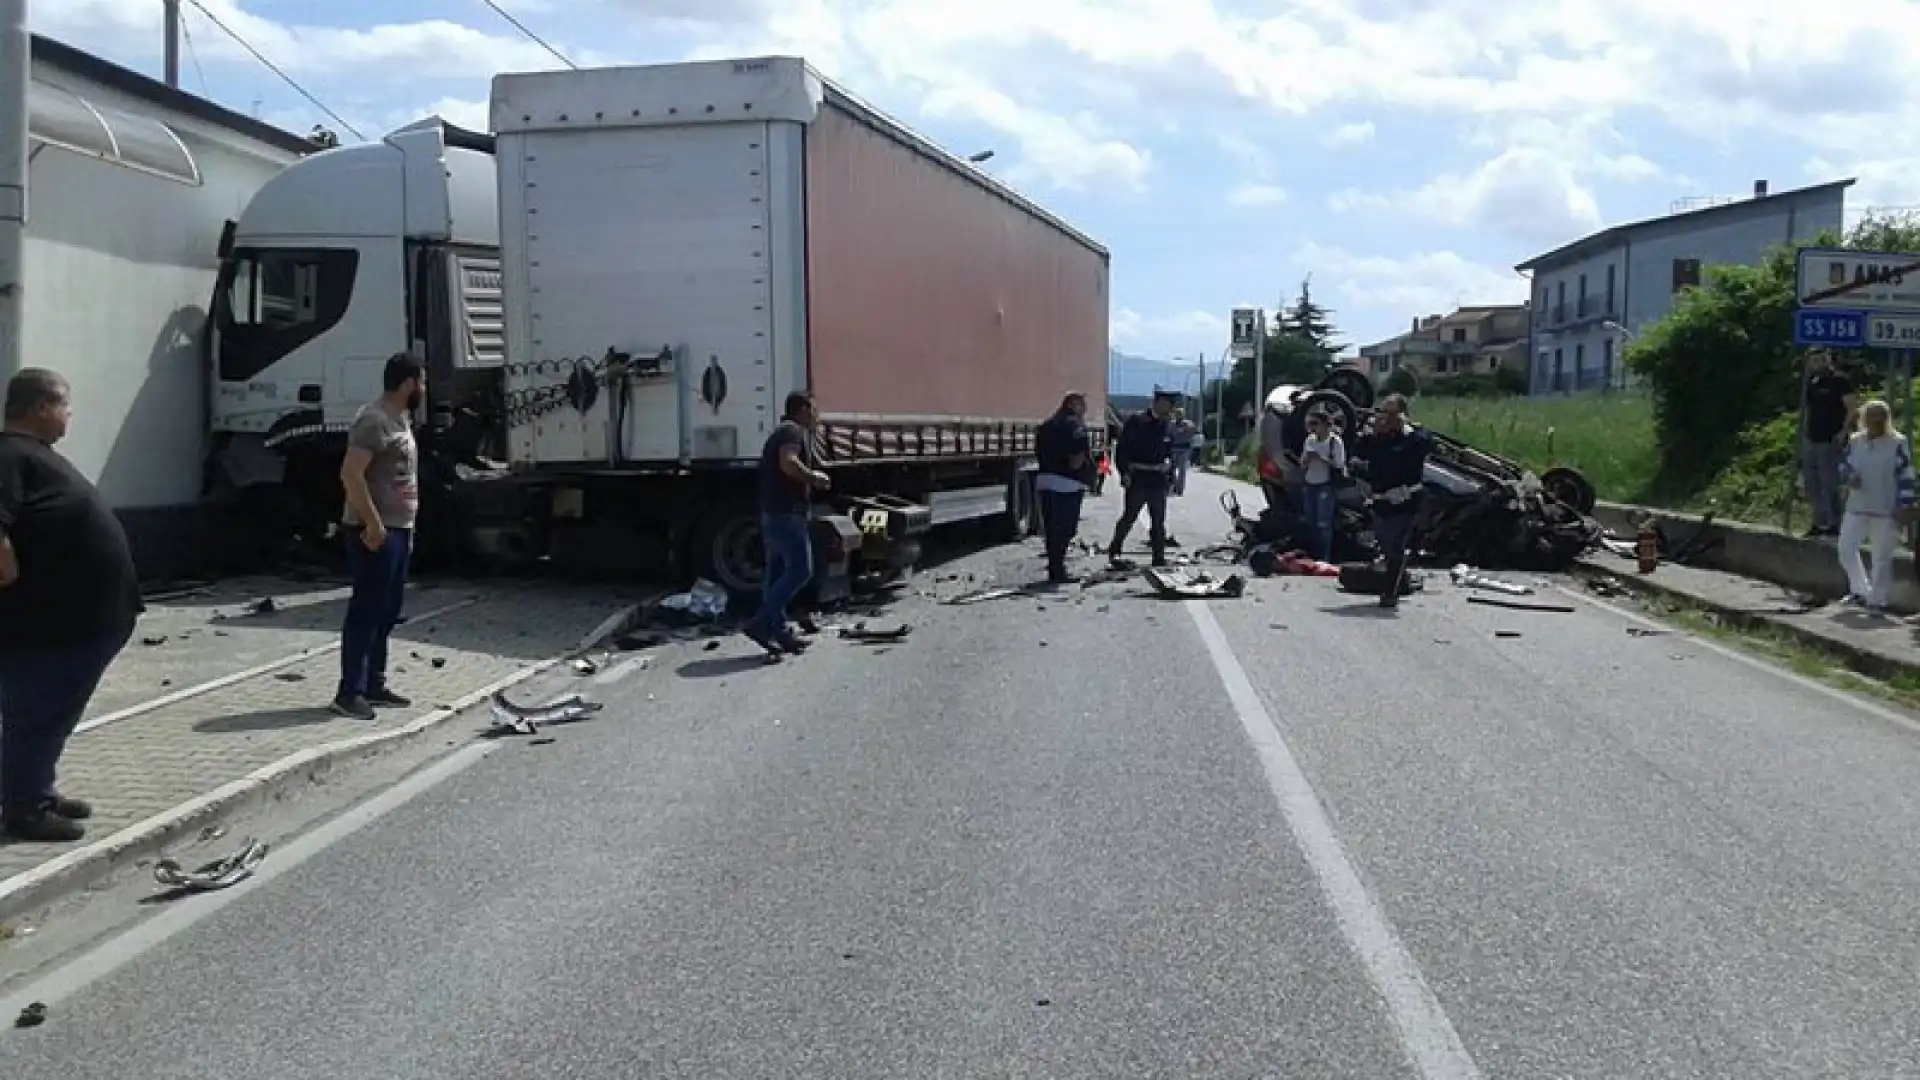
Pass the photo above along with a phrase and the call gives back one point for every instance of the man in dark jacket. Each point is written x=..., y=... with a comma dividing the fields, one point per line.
x=69, y=598
x=1395, y=454
x=1065, y=451
x=1143, y=456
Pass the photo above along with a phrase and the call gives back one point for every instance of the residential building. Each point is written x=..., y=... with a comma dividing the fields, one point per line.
x=1593, y=296
x=1480, y=340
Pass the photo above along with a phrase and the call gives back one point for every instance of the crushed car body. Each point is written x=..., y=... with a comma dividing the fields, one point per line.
x=1478, y=509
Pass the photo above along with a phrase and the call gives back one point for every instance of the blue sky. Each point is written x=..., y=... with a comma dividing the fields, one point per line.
x=1405, y=153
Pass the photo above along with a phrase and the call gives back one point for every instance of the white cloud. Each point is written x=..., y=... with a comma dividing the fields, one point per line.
x=1421, y=283
x=1201, y=328
x=1348, y=136
x=1068, y=152
x=1527, y=195
x=1257, y=195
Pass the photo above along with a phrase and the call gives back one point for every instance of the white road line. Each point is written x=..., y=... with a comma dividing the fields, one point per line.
x=1425, y=1033
x=225, y=681
x=115, y=953
x=621, y=670
x=1833, y=693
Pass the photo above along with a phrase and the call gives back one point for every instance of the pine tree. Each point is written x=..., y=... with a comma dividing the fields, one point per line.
x=1308, y=321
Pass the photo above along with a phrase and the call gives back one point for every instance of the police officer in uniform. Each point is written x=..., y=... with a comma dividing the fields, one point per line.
x=1395, y=453
x=1143, y=456
x=1067, y=469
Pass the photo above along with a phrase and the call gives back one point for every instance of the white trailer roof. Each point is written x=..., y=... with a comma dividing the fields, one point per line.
x=767, y=88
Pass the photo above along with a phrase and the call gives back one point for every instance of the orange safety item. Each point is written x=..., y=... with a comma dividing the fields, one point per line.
x=1648, y=548
x=1106, y=464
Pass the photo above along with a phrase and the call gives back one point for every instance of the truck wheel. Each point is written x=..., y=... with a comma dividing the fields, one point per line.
x=1571, y=487
x=1019, y=521
x=729, y=552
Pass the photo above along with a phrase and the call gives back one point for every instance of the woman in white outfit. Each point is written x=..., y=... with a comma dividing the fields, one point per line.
x=1878, y=473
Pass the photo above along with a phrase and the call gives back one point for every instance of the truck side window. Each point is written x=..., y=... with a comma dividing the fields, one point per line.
x=271, y=302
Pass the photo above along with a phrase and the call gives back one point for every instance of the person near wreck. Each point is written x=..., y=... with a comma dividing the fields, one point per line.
x=1879, y=479
x=1323, y=461
x=1830, y=413
x=1182, y=451
x=69, y=600
x=787, y=483
x=1143, y=457
x=380, y=477
x=1065, y=450
x=1393, y=457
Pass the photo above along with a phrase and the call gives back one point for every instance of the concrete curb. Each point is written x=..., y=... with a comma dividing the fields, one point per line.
x=84, y=868
x=1875, y=665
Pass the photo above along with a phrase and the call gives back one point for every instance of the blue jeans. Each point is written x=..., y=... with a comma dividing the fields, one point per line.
x=43, y=695
x=789, y=568
x=379, y=590
x=1320, y=506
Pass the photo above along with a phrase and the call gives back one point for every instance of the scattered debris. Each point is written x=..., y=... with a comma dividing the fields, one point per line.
x=706, y=601
x=982, y=596
x=584, y=666
x=863, y=633
x=1606, y=587
x=1517, y=605
x=712, y=646
x=1506, y=633
x=33, y=1015
x=290, y=676
x=1467, y=577
x=1183, y=584
x=512, y=719
x=154, y=639
x=266, y=605
x=223, y=873
x=438, y=662
x=1641, y=631
x=1370, y=579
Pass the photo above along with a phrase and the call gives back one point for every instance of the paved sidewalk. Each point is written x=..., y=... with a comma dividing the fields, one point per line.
x=134, y=768
x=1880, y=646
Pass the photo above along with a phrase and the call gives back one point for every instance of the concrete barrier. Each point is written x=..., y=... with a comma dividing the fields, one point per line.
x=1766, y=554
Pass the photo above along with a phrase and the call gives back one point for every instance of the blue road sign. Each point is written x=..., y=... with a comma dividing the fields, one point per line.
x=1826, y=328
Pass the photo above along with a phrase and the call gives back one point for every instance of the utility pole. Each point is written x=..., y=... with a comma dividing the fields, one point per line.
x=1200, y=398
x=170, y=20
x=16, y=54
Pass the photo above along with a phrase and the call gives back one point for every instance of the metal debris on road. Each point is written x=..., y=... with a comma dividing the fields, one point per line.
x=982, y=596
x=1641, y=631
x=1183, y=584
x=1516, y=605
x=512, y=719
x=33, y=1015
x=1468, y=577
x=862, y=633
x=1506, y=633
x=223, y=873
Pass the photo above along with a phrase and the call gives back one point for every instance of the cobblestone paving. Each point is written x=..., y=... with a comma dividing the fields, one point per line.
x=143, y=765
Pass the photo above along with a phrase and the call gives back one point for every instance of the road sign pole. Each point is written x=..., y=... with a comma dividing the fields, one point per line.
x=1260, y=364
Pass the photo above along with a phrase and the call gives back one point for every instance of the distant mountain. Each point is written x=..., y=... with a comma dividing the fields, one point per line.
x=1136, y=375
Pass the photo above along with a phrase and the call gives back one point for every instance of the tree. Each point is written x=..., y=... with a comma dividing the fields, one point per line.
x=1724, y=359
x=1308, y=321
x=1402, y=381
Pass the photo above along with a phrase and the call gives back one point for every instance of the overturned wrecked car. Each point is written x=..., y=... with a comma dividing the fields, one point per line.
x=1479, y=508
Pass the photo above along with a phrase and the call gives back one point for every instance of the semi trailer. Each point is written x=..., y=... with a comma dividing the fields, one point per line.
x=615, y=291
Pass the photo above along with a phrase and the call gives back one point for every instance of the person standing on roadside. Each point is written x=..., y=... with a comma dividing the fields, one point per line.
x=786, y=486
x=1831, y=403
x=1395, y=454
x=1879, y=481
x=1323, y=460
x=69, y=599
x=1065, y=450
x=1143, y=456
x=380, y=475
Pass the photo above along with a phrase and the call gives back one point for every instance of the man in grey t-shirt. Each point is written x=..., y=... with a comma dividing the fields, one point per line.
x=380, y=475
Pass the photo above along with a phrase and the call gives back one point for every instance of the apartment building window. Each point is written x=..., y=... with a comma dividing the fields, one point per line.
x=1460, y=336
x=1583, y=296
x=1606, y=362
x=1579, y=362
x=1559, y=369
x=1686, y=274
x=1610, y=307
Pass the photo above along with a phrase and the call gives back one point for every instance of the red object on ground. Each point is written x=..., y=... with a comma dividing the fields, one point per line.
x=1298, y=563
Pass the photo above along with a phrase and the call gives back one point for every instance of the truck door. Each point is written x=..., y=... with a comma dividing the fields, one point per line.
x=267, y=304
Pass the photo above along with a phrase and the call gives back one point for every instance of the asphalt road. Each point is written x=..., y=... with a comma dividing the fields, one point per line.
x=1094, y=836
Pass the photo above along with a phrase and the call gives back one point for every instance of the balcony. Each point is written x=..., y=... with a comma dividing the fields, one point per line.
x=1560, y=313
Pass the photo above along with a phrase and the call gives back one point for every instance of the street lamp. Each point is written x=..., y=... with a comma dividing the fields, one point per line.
x=1627, y=337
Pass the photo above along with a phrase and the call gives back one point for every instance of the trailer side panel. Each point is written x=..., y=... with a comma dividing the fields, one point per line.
x=932, y=295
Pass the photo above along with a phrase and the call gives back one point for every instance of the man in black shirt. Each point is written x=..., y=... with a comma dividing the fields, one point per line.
x=69, y=598
x=786, y=486
x=1143, y=456
x=1065, y=451
x=1831, y=404
x=1395, y=456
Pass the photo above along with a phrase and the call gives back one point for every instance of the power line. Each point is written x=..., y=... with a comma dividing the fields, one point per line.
x=531, y=36
x=271, y=66
x=193, y=54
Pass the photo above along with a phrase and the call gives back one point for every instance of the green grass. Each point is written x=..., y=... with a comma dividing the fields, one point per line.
x=1608, y=437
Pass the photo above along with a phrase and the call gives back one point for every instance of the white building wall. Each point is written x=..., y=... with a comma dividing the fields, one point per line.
x=120, y=265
